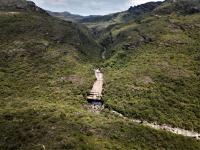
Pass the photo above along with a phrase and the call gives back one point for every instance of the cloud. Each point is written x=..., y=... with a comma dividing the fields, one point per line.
x=88, y=7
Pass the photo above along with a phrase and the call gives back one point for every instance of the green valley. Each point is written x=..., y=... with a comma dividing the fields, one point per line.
x=151, y=69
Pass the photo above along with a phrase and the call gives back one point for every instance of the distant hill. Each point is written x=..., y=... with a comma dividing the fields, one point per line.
x=126, y=15
x=99, y=23
x=66, y=16
x=73, y=17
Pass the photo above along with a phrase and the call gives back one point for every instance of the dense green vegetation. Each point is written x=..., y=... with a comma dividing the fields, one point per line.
x=46, y=68
x=153, y=69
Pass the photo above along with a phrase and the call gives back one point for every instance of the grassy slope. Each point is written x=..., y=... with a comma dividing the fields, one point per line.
x=153, y=69
x=43, y=84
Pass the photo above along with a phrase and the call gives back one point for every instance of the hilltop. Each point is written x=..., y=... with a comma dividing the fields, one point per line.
x=19, y=5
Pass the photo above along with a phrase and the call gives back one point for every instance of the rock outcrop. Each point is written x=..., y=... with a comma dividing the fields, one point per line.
x=180, y=6
x=144, y=8
x=19, y=5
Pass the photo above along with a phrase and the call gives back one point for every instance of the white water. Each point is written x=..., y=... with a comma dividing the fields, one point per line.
x=168, y=128
x=179, y=131
x=103, y=55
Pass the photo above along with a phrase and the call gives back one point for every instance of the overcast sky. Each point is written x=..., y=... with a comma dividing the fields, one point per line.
x=89, y=7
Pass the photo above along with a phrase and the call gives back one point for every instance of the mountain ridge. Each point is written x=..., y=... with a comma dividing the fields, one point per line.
x=134, y=10
x=20, y=5
x=66, y=16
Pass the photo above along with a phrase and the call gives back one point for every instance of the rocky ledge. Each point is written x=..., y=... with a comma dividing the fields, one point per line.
x=20, y=5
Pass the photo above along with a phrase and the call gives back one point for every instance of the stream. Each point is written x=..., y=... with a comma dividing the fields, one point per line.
x=153, y=125
x=103, y=54
x=165, y=127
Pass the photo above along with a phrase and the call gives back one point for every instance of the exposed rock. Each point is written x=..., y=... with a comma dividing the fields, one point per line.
x=181, y=6
x=148, y=7
x=94, y=108
x=19, y=5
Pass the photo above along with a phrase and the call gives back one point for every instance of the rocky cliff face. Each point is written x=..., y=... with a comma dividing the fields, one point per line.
x=19, y=5
x=13, y=3
x=148, y=7
x=180, y=6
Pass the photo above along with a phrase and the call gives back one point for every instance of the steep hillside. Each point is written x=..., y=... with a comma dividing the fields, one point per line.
x=19, y=5
x=179, y=6
x=46, y=68
x=99, y=23
x=152, y=66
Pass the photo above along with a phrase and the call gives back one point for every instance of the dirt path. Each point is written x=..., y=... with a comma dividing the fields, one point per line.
x=168, y=128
